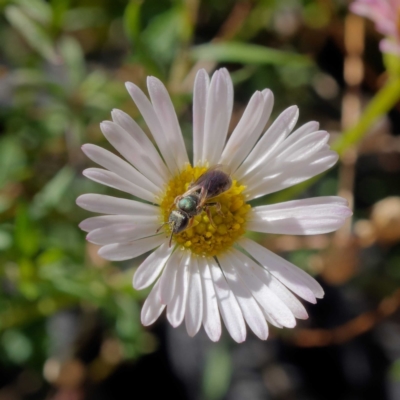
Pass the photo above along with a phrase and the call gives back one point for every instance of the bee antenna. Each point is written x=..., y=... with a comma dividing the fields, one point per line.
x=159, y=229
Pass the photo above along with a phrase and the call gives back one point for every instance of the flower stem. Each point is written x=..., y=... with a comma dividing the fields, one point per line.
x=384, y=100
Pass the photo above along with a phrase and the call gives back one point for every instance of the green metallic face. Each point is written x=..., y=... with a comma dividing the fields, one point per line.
x=179, y=221
x=188, y=204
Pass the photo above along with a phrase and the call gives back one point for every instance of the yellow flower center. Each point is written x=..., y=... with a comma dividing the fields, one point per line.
x=206, y=237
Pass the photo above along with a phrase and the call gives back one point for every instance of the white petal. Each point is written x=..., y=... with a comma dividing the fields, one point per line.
x=274, y=298
x=270, y=319
x=286, y=296
x=245, y=134
x=200, y=93
x=125, y=251
x=218, y=115
x=151, y=267
x=152, y=308
x=250, y=309
x=300, y=217
x=152, y=121
x=291, y=156
x=120, y=167
x=293, y=138
x=130, y=149
x=176, y=307
x=291, y=276
x=115, y=181
x=304, y=147
x=168, y=120
x=275, y=134
x=121, y=233
x=291, y=174
x=229, y=85
x=102, y=221
x=148, y=158
x=194, y=305
x=228, y=305
x=168, y=278
x=304, y=130
x=211, y=317
x=249, y=141
x=103, y=204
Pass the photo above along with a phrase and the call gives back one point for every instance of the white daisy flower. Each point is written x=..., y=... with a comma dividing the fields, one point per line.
x=211, y=270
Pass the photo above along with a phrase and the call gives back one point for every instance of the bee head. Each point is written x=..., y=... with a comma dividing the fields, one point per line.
x=179, y=220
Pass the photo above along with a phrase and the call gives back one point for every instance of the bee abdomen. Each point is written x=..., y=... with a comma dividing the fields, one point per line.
x=221, y=182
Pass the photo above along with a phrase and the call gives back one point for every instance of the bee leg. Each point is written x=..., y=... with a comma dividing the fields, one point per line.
x=190, y=223
x=217, y=205
x=207, y=210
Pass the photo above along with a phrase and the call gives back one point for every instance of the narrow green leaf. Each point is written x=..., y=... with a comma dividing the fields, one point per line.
x=247, y=54
x=12, y=160
x=83, y=17
x=59, y=8
x=38, y=10
x=5, y=240
x=383, y=101
x=217, y=373
x=32, y=32
x=162, y=36
x=52, y=193
x=73, y=57
x=25, y=233
x=132, y=20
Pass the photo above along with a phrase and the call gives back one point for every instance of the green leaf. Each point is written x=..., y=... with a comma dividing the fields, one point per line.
x=74, y=60
x=38, y=10
x=132, y=20
x=247, y=54
x=5, y=240
x=127, y=317
x=29, y=77
x=217, y=373
x=16, y=345
x=12, y=160
x=59, y=8
x=163, y=34
x=32, y=32
x=26, y=235
x=382, y=102
x=53, y=192
x=84, y=17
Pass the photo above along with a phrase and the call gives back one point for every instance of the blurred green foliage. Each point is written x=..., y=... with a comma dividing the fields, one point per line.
x=62, y=68
x=63, y=71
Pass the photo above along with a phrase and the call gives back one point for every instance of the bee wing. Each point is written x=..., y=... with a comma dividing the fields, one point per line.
x=209, y=183
x=205, y=180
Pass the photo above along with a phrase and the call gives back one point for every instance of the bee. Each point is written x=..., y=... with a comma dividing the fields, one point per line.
x=212, y=183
